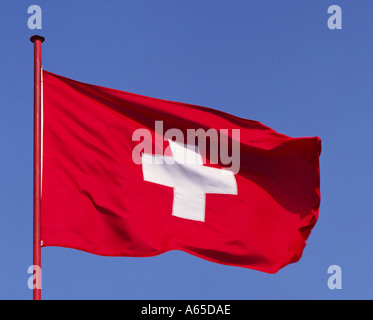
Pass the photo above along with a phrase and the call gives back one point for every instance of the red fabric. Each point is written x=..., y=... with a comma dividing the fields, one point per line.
x=94, y=197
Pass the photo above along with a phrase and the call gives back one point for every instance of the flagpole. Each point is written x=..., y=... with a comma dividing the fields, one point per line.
x=37, y=41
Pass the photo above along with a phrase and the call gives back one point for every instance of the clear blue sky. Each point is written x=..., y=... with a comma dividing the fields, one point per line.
x=267, y=60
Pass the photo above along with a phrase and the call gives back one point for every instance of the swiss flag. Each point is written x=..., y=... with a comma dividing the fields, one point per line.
x=128, y=175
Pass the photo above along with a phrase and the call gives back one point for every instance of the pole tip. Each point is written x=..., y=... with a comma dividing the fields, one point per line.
x=36, y=37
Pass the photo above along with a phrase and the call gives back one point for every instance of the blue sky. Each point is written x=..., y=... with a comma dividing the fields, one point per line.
x=267, y=60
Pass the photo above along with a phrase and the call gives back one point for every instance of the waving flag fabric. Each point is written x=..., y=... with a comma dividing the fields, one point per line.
x=119, y=180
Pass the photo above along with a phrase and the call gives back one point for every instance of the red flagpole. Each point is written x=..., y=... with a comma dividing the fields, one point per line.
x=37, y=41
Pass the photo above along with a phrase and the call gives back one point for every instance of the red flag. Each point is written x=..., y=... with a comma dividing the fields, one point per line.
x=122, y=177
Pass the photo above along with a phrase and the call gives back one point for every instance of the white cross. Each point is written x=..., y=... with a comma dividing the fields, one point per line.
x=191, y=180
